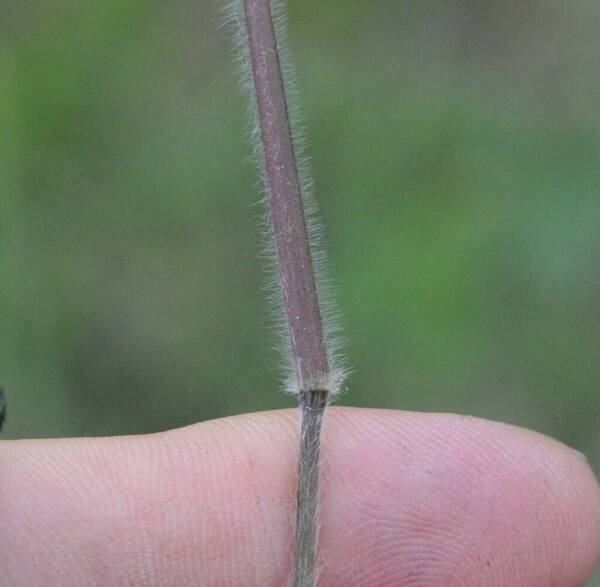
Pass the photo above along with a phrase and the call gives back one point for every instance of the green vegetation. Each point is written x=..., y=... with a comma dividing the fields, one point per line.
x=457, y=163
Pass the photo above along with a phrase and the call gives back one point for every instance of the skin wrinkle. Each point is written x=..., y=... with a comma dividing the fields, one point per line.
x=540, y=503
x=494, y=506
x=251, y=461
x=446, y=455
x=262, y=506
x=481, y=558
x=543, y=504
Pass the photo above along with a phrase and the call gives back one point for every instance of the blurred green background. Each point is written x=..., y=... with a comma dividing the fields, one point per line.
x=456, y=151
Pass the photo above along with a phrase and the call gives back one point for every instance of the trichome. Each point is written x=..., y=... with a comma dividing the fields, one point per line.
x=298, y=260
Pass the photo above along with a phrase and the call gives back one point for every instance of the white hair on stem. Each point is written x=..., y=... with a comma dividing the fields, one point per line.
x=302, y=295
x=233, y=15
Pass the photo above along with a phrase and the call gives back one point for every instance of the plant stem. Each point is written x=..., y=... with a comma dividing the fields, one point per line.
x=287, y=212
x=300, y=299
x=312, y=405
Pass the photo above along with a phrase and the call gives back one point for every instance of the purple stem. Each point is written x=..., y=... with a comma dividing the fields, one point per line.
x=287, y=212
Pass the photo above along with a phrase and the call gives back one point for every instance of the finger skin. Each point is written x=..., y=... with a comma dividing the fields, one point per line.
x=408, y=500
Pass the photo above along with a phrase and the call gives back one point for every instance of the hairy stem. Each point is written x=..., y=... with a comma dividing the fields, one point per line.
x=285, y=196
x=300, y=299
x=312, y=404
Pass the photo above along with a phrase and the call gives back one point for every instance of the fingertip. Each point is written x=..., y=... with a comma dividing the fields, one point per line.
x=441, y=497
x=407, y=498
